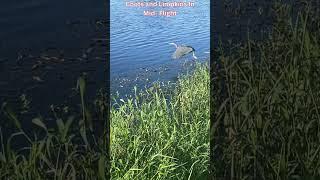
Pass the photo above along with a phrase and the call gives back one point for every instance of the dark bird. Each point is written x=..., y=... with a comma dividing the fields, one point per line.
x=183, y=50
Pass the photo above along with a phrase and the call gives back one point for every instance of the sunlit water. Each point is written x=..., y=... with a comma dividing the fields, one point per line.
x=140, y=49
x=140, y=53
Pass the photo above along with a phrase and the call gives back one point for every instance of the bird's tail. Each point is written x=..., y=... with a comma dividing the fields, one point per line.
x=194, y=56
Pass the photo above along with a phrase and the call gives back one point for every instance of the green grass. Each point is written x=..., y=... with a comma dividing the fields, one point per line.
x=270, y=116
x=161, y=135
x=67, y=150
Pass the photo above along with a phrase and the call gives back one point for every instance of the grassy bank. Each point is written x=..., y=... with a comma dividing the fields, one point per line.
x=61, y=147
x=267, y=126
x=163, y=135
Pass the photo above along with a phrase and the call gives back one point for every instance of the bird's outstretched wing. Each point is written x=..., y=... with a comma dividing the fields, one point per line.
x=181, y=51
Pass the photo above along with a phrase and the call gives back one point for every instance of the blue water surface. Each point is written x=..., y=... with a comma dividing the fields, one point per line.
x=140, y=49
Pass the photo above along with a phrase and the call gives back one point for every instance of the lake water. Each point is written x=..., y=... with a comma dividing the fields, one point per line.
x=42, y=49
x=46, y=45
x=140, y=49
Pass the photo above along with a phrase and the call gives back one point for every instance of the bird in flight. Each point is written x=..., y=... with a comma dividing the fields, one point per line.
x=183, y=50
